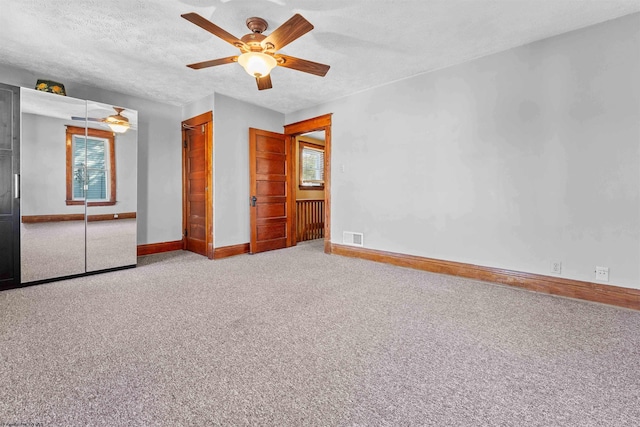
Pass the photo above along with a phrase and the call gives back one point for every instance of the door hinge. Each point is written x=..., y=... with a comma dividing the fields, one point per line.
x=184, y=143
x=203, y=129
x=185, y=233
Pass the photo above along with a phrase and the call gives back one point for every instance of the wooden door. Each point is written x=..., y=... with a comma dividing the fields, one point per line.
x=269, y=155
x=9, y=187
x=196, y=189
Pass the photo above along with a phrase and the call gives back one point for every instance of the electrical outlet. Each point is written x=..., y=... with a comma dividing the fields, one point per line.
x=556, y=267
x=602, y=274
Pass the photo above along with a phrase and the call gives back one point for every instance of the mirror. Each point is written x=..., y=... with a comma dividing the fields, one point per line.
x=112, y=196
x=78, y=187
x=52, y=240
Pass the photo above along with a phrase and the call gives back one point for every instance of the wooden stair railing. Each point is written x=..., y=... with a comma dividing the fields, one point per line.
x=309, y=219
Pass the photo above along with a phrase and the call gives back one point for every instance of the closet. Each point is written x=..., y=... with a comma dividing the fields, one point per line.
x=9, y=173
x=77, y=187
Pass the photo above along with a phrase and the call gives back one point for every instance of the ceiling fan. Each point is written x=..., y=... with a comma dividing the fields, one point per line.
x=117, y=122
x=258, y=52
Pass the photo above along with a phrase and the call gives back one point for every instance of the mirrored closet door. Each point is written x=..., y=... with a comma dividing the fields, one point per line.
x=111, y=190
x=78, y=182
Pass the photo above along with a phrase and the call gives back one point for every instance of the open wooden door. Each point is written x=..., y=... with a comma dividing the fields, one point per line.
x=269, y=167
x=196, y=185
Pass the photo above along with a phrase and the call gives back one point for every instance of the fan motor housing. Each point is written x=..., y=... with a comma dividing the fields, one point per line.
x=253, y=38
x=257, y=25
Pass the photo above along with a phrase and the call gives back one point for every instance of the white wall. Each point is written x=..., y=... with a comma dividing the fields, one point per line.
x=231, y=122
x=511, y=161
x=159, y=154
x=197, y=107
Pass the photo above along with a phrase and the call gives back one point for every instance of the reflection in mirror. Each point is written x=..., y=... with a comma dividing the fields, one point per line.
x=111, y=175
x=52, y=233
x=90, y=166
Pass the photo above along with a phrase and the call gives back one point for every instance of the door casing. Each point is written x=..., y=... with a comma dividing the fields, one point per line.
x=291, y=131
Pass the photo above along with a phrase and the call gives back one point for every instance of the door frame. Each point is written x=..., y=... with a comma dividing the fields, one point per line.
x=206, y=120
x=291, y=131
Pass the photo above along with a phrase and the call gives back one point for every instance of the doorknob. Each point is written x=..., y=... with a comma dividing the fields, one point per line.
x=254, y=199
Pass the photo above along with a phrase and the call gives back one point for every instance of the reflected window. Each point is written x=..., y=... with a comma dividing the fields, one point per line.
x=91, y=172
x=311, y=166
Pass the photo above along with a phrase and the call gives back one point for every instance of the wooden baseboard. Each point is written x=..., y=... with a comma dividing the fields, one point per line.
x=606, y=294
x=35, y=219
x=227, y=251
x=111, y=217
x=156, y=248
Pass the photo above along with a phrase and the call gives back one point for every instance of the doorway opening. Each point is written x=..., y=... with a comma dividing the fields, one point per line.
x=197, y=185
x=308, y=156
x=310, y=208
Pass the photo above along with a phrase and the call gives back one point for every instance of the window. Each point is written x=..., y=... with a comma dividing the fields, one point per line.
x=311, y=166
x=91, y=172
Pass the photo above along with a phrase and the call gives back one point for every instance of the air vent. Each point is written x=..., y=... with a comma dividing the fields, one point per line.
x=352, y=239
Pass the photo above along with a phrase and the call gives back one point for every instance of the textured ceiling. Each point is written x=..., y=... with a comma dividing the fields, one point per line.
x=142, y=47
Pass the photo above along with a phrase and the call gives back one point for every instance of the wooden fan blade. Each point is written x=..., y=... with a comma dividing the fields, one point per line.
x=213, y=62
x=89, y=119
x=213, y=29
x=295, y=27
x=264, y=82
x=303, y=65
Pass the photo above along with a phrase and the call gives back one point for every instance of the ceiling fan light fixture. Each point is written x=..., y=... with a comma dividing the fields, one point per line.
x=117, y=122
x=259, y=52
x=118, y=127
x=257, y=64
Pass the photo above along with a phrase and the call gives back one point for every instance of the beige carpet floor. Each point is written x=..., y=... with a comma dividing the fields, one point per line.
x=295, y=337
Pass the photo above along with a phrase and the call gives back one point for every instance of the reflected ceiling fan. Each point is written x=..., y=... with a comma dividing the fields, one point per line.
x=258, y=52
x=117, y=122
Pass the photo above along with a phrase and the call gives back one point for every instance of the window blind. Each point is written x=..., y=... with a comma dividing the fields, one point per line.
x=312, y=166
x=90, y=168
